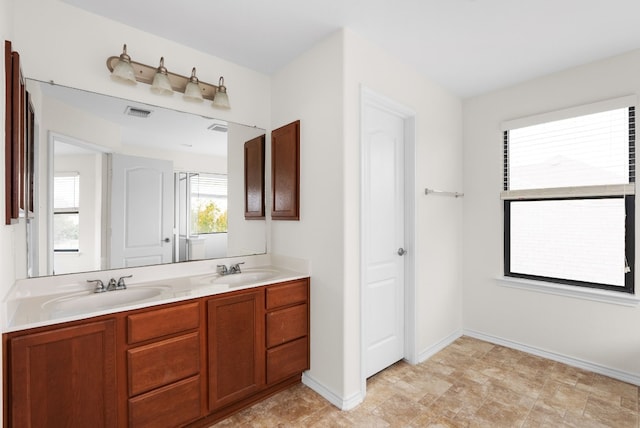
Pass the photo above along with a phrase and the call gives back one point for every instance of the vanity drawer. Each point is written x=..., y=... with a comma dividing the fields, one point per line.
x=161, y=363
x=171, y=406
x=287, y=360
x=289, y=293
x=162, y=322
x=286, y=324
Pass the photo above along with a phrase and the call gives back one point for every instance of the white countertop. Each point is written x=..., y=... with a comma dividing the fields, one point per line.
x=78, y=301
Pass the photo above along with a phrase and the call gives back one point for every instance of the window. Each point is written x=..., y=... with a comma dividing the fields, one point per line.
x=66, y=212
x=569, y=197
x=208, y=194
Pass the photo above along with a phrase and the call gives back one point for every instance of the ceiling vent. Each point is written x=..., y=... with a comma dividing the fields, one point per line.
x=218, y=127
x=137, y=112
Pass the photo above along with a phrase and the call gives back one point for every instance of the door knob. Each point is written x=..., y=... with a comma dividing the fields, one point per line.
x=402, y=251
x=167, y=240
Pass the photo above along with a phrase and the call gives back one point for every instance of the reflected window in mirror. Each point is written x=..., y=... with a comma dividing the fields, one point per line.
x=201, y=215
x=208, y=197
x=66, y=212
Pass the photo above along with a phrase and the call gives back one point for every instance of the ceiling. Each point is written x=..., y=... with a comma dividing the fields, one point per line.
x=468, y=46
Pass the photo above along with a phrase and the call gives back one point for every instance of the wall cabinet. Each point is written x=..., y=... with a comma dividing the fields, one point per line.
x=285, y=172
x=182, y=364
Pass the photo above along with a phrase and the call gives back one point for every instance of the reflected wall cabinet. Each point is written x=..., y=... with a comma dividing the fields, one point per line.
x=285, y=172
x=254, y=179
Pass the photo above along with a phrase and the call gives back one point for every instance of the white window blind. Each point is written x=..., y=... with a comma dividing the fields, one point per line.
x=581, y=240
x=208, y=185
x=66, y=191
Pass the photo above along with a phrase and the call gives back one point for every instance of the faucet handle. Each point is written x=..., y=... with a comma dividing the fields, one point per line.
x=99, y=285
x=236, y=268
x=222, y=269
x=121, y=285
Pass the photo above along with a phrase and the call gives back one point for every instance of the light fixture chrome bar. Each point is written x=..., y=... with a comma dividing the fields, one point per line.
x=144, y=74
x=428, y=191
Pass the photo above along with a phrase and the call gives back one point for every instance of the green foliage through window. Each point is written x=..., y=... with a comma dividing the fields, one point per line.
x=207, y=217
x=208, y=205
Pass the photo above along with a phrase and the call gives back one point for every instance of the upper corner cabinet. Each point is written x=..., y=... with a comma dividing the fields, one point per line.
x=285, y=172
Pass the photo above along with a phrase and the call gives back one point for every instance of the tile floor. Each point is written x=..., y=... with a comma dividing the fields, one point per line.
x=470, y=383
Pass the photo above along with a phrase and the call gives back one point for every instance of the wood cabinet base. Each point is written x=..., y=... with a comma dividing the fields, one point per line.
x=181, y=364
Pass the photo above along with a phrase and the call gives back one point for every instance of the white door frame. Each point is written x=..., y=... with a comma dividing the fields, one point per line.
x=369, y=97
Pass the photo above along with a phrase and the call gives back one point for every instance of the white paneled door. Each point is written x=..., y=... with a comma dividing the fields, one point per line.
x=383, y=237
x=141, y=211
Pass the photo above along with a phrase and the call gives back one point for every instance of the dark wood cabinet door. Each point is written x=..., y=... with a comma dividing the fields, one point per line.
x=286, y=324
x=285, y=172
x=236, y=347
x=161, y=363
x=167, y=407
x=287, y=360
x=64, y=377
x=254, y=178
x=157, y=323
x=14, y=133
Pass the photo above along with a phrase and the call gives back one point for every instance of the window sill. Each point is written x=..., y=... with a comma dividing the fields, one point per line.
x=592, y=294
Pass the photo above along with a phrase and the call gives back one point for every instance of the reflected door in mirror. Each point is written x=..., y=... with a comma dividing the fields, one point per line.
x=141, y=211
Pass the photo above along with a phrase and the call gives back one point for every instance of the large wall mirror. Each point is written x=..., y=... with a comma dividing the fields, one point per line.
x=123, y=184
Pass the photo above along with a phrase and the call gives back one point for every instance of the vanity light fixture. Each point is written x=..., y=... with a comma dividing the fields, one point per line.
x=221, y=99
x=192, y=91
x=163, y=81
x=161, y=84
x=123, y=71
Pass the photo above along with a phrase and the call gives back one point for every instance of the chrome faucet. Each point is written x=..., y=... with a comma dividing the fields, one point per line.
x=99, y=285
x=112, y=285
x=223, y=270
x=121, y=285
x=235, y=268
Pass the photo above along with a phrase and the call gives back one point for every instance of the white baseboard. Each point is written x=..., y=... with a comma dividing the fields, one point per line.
x=351, y=402
x=333, y=398
x=575, y=362
x=439, y=346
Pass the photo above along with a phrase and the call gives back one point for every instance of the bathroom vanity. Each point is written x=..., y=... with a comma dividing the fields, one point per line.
x=192, y=355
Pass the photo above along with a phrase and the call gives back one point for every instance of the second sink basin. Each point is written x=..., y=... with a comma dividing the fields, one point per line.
x=246, y=277
x=87, y=301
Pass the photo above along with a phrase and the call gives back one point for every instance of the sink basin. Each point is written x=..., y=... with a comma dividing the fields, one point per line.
x=246, y=277
x=87, y=301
